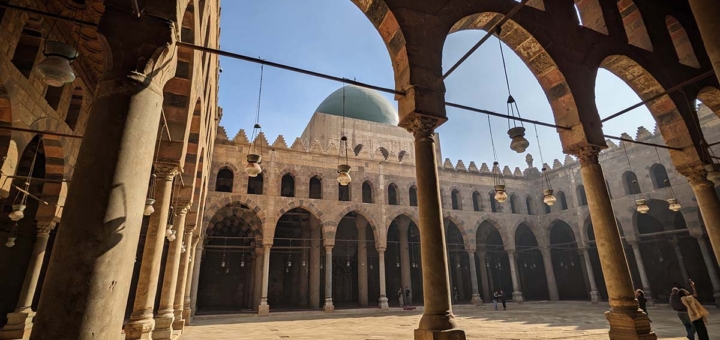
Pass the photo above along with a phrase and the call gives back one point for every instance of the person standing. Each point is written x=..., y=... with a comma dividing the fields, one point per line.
x=642, y=301
x=682, y=312
x=696, y=312
x=400, y=297
x=502, y=299
x=455, y=295
x=407, y=296
x=496, y=295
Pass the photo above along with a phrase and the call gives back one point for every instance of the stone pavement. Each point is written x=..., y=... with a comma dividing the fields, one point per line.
x=538, y=320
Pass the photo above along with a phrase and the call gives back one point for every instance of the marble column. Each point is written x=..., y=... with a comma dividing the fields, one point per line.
x=476, y=300
x=328, y=307
x=643, y=274
x=517, y=290
x=383, y=287
x=362, y=225
x=550, y=273
x=264, y=308
x=709, y=205
x=304, y=269
x=190, y=286
x=594, y=293
x=681, y=262
x=315, y=245
x=90, y=269
x=259, y=261
x=197, y=263
x=141, y=322
x=183, y=280
x=405, y=266
x=166, y=312
x=626, y=320
x=484, y=275
x=710, y=265
x=438, y=321
x=706, y=14
x=20, y=321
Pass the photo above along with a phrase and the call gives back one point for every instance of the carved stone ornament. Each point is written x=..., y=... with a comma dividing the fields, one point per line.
x=422, y=127
x=588, y=155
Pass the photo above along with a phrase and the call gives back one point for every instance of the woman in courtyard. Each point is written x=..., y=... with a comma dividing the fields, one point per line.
x=400, y=297
x=642, y=301
x=697, y=313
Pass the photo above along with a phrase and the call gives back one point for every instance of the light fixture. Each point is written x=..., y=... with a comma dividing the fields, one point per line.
x=673, y=204
x=397, y=264
x=672, y=201
x=343, y=169
x=517, y=133
x=149, y=209
x=640, y=203
x=242, y=257
x=183, y=249
x=169, y=231
x=222, y=264
x=343, y=174
x=500, y=194
x=303, y=263
x=641, y=206
x=12, y=236
x=18, y=212
x=254, y=157
x=55, y=69
x=548, y=197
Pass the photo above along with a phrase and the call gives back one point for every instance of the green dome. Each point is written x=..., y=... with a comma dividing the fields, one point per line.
x=360, y=103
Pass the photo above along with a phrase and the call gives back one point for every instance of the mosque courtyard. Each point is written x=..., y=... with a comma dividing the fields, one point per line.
x=534, y=320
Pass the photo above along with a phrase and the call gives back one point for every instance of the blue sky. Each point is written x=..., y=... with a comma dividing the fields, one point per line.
x=335, y=37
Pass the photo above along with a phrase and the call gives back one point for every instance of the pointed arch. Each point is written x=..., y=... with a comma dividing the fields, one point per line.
x=456, y=199
x=224, y=180
x=659, y=176
x=315, y=187
x=635, y=28
x=367, y=192
x=412, y=196
x=287, y=185
x=591, y=15
x=392, y=194
x=630, y=183
x=378, y=231
x=681, y=41
x=477, y=199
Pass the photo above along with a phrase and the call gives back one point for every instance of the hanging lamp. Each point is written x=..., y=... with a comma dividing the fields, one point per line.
x=12, y=236
x=303, y=253
x=55, y=69
x=20, y=202
x=222, y=264
x=517, y=133
x=673, y=203
x=548, y=196
x=254, y=156
x=242, y=257
x=343, y=169
x=499, y=181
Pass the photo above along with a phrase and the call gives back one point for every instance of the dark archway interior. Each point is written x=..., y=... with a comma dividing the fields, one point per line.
x=224, y=182
x=530, y=262
x=289, y=266
x=393, y=271
x=496, y=266
x=347, y=264
x=571, y=280
x=458, y=263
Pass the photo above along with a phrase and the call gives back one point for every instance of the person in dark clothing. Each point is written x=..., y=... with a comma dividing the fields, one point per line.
x=407, y=296
x=502, y=298
x=642, y=301
x=682, y=313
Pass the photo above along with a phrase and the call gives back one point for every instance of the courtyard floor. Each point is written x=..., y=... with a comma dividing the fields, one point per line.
x=538, y=320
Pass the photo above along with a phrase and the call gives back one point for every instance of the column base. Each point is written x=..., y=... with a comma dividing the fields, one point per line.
x=629, y=324
x=450, y=334
x=518, y=297
x=178, y=325
x=163, y=327
x=19, y=326
x=476, y=300
x=384, y=303
x=186, y=313
x=594, y=297
x=264, y=309
x=328, y=307
x=139, y=329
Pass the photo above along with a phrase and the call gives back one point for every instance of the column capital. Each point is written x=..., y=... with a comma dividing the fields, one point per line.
x=696, y=175
x=182, y=206
x=45, y=228
x=545, y=250
x=329, y=248
x=420, y=125
x=587, y=154
x=166, y=171
x=381, y=249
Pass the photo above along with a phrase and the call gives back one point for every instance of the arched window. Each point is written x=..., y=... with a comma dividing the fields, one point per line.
x=476, y=201
x=590, y=15
x=659, y=176
x=413, y=196
x=367, y=196
x=514, y=204
x=635, y=28
x=683, y=46
x=27, y=48
x=561, y=200
x=224, y=182
x=630, y=183
x=581, y=197
x=255, y=185
x=493, y=204
x=287, y=186
x=53, y=95
x=455, y=198
x=315, y=188
x=73, y=113
x=546, y=207
x=392, y=194
x=343, y=192
x=530, y=205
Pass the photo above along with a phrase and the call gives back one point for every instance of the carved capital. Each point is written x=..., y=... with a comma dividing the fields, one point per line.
x=166, y=171
x=421, y=126
x=182, y=207
x=43, y=229
x=587, y=155
x=696, y=175
x=381, y=249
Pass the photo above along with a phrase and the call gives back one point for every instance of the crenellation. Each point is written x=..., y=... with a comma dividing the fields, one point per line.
x=484, y=168
x=298, y=145
x=556, y=164
x=241, y=137
x=518, y=172
x=643, y=134
x=506, y=171
x=221, y=133
x=473, y=167
x=448, y=164
x=279, y=143
x=569, y=160
x=460, y=165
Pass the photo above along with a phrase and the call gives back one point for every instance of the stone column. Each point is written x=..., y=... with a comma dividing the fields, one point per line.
x=517, y=290
x=476, y=300
x=681, y=262
x=197, y=263
x=264, y=308
x=141, y=322
x=625, y=319
x=437, y=321
x=183, y=280
x=19, y=323
x=193, y=261
x=641, y=268
x=550, y=273
x=594, y=293
x=383, y=288
x=315, y=245
x=362, y=263
x=484, y=275
x=90, y=269
x=166, y=312
x=710, y=265
x=328, y=280
x=304, y=270
x=405, y=276
x=259, y=262
x=706, y=13
x=707, y=201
